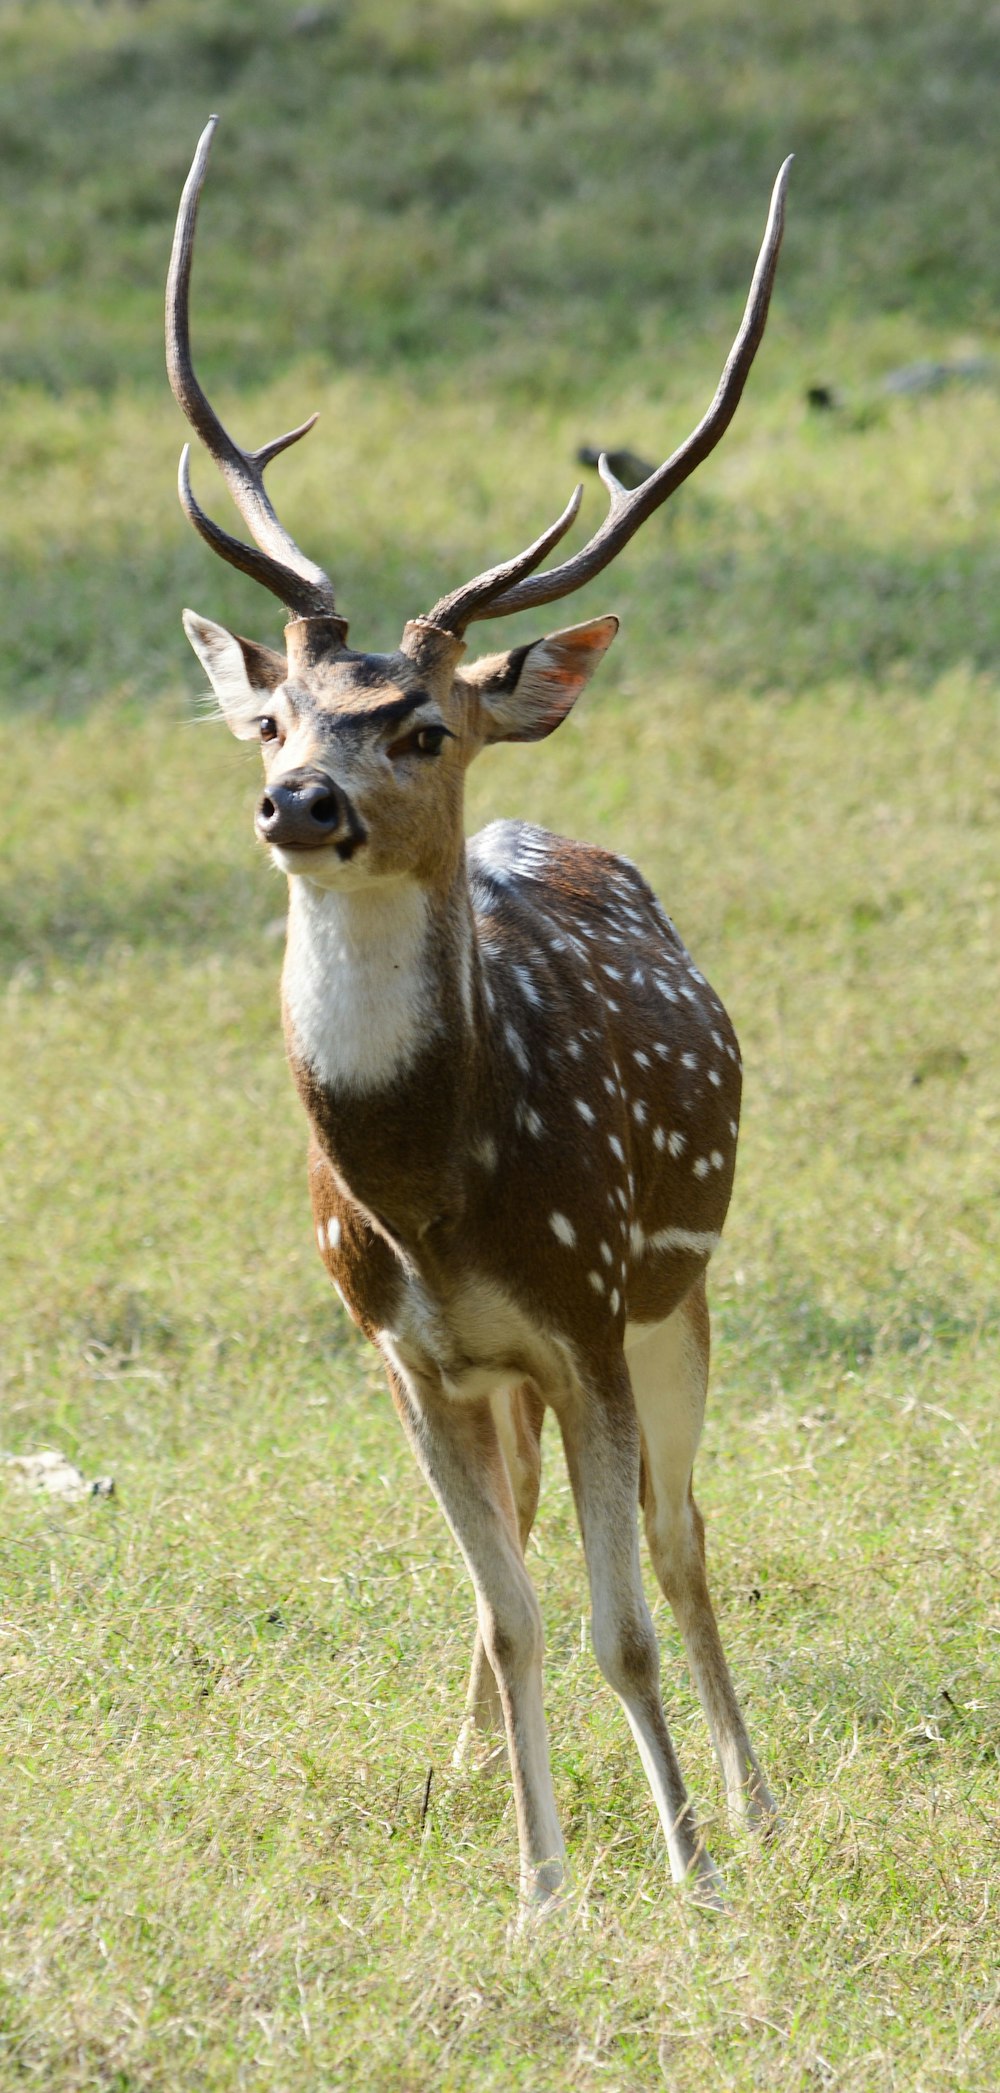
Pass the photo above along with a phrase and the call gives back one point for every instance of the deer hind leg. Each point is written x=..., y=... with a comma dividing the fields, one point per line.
x=518, y=1414
x=668, y=1365
x=457, y=1447
x=601, y=1438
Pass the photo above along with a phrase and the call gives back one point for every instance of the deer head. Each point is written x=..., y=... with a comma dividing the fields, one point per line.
x=365, y=754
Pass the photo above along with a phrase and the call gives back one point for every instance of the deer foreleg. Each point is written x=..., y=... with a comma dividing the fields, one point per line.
x=518, y=1415
x=601, y=1436
x=458, y=1449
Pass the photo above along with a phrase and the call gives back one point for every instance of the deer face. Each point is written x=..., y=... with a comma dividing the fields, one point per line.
x=365, y=754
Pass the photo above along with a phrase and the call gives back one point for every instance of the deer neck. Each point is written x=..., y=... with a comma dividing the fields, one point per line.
x=373, y=978
x=380, y=989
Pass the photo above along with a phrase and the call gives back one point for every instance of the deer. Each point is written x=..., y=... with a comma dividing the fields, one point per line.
x=522, y=1095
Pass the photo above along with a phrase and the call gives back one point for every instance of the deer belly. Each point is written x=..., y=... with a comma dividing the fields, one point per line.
x=478, y=1344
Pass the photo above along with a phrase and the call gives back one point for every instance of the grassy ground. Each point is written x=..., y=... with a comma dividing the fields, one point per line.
x=475, y=238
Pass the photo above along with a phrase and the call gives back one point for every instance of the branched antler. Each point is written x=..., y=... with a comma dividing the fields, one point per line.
x=513, y=587
x=278, y=563
x=275, y=559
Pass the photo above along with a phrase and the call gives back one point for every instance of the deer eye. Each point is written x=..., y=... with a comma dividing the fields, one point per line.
x=424, y=741
x=268, y=728
x=427, y=740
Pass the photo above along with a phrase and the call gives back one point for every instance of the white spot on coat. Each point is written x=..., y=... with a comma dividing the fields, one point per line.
x=701, y=1242
x=517, y=1047
x=526, y=984
x=563, y=1229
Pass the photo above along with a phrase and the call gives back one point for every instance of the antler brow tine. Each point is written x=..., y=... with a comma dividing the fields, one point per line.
x=278, y=563
x=503, y=590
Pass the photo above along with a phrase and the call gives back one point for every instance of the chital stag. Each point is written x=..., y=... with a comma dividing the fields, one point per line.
x=522, y=1094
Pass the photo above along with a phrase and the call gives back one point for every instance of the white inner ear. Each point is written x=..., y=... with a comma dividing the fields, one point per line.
x=554, y=673
x=221, y=657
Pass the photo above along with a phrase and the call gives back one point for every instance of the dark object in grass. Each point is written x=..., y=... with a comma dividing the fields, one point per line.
x=948, y=1061
x=626, y=465
x=933, y=377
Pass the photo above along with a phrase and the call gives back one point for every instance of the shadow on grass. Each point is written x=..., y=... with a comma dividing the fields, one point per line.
x=81, y=922
x=790, y=1328
x=126, y=1333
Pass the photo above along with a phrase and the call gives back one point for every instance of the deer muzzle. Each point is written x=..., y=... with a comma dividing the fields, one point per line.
x=305, y=810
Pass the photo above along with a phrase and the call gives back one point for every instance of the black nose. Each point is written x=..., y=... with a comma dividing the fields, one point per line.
x=303, y=811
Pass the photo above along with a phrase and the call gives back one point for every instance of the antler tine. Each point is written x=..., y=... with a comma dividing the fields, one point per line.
x=260, y=566
x=279, y=564
x=456, y=611
x=627, y=511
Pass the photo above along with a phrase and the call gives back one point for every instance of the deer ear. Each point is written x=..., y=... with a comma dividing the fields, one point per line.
x=527, y=693
x=241, y=673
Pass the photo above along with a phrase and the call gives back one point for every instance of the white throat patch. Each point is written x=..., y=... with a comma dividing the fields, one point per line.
x=357, y=984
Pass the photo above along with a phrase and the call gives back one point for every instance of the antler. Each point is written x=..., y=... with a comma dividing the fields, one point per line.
x=502, y=590
x=279, y=564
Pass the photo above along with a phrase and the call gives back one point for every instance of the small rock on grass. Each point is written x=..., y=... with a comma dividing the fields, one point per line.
x=52, y=1473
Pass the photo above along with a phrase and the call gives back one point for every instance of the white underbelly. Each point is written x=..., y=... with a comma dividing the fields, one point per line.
x=478, y=1345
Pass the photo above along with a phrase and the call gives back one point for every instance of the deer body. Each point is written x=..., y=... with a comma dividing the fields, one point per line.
x=523, y=1115
x=523, y=1102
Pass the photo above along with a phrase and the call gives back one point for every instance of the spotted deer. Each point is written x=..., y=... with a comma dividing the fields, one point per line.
x=522, y=1094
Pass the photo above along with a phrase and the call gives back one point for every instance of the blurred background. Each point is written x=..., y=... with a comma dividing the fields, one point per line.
x=535, y=221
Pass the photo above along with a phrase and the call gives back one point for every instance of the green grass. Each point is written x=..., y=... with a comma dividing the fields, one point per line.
x=475, y=238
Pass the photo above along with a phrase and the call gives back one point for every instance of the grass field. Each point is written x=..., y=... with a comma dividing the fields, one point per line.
x=476, y=237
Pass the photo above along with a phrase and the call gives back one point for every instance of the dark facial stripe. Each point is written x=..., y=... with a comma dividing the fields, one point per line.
x=387, y=715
